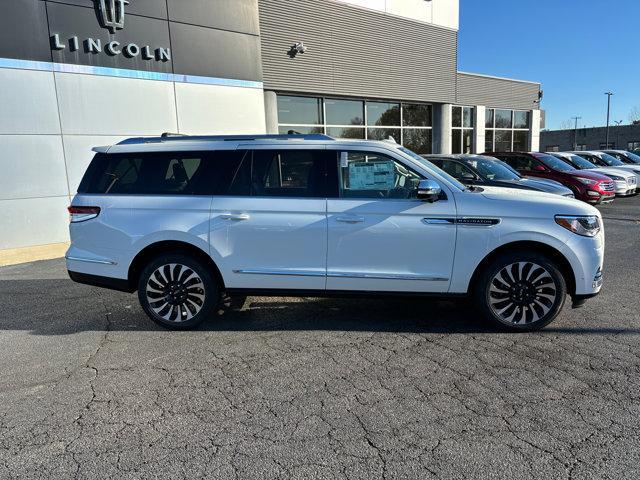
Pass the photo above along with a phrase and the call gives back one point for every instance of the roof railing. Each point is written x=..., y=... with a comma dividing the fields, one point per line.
x=178, y=137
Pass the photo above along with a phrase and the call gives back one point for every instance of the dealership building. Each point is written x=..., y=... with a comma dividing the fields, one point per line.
x=75, y=74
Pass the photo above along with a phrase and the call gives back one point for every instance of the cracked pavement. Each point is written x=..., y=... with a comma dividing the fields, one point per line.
x=319, y=388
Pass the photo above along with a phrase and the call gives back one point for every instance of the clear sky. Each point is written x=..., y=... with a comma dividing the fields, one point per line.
x=548, y=41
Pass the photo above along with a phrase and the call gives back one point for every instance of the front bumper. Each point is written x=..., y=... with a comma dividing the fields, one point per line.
x=624, y=189
x=598, y=198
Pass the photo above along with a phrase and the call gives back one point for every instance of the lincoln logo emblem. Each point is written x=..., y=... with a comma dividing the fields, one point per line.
x=112, y=14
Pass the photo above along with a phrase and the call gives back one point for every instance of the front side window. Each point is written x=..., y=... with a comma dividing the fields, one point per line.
x=375, y=176
x=458, y=171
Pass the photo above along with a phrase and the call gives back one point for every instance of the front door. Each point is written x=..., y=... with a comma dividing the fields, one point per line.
x=269, y=230
x=381, y=238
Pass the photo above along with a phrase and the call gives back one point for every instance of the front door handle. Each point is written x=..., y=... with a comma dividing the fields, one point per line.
x=235, y=216
x=350, y=219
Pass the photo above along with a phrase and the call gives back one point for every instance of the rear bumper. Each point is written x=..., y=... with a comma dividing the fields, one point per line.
x=102, y=282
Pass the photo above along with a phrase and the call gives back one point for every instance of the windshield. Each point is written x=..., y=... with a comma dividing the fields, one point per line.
x=555, y=163
x=580, y=162
x=492, y=169
x=634, y=157
x=611, y=160
x=430, y=165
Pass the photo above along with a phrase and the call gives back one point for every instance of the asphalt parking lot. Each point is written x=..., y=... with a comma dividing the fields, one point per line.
x=293, y=388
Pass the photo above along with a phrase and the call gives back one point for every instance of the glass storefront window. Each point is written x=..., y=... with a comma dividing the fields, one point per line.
x=384, y=134
x=344, y=112
x=456, y=141
x=467, y=117
x=456, y=117
x=509, y=130
x=462, y=130
x=467, y=140
x=504, y=119
x=342, y=132
x=488, y=122
x=520, y=119
x=520, y=141
x=299, y=110
x=383, y=114
x=408, y=124
x=418, y=140
x=416, y=115
x=503, y=139
x=296, y=129
x=488, y=141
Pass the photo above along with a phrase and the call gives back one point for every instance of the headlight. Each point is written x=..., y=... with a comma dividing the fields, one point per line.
x=586, y=181
x=615, y=177
x=587, y=226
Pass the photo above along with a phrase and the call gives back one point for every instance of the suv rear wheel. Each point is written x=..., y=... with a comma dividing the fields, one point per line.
x=521, y=291
x=178, y=292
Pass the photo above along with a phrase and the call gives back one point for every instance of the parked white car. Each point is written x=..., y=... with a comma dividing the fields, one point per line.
x=625, y=181
x=603, y=159
x=184, y=220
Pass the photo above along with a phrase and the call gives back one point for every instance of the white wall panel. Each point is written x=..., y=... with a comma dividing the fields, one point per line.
x=77, y=149
x=414, y=9
x=31, y=166
x=36, y=221
x=211, y=109
x=94, y=105
x=28, y=102
x=444, y=13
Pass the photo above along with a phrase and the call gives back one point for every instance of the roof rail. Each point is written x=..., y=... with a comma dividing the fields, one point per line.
x=175, y=137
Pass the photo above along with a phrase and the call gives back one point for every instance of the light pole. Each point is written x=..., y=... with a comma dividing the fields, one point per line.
x=575, y=133
x=609, y=95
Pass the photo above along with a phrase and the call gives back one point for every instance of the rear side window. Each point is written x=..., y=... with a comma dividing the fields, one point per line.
x=178, y=173
x=519, y=162
x=288, y=173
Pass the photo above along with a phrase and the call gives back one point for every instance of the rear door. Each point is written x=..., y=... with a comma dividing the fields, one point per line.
x=381, y=238
x=269, y=227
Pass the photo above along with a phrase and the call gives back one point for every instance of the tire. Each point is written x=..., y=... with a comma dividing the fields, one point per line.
x=521, y=291
x=178, y=292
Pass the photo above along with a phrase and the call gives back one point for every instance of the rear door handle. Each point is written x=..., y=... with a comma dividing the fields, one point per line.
x=235, y=216
x=350, y=219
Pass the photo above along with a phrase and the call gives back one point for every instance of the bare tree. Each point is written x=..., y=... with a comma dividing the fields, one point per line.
x=567, y=125
x=634, y=115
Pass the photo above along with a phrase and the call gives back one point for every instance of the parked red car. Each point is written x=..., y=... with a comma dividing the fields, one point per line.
x=590, y=187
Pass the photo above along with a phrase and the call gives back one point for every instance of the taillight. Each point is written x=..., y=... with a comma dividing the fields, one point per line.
x=82, y=214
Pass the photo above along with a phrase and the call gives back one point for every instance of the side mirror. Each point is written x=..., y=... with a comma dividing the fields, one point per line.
x=429, y=191
x=468, y=176
x=539, y=168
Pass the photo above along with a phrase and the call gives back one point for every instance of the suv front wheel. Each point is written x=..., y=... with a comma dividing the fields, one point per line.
x=178, y=292
x=521, y=291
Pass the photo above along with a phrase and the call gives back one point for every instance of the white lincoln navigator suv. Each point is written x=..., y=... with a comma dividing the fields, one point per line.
x=188, y=221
